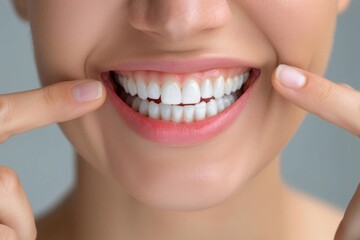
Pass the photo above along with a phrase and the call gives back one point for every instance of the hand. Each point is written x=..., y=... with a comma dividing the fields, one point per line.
x=24, y=111
x=336, y=103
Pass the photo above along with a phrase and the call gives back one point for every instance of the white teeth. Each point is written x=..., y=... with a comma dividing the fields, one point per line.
x=153, y=90
x=136, y=104
x=227, y=102
x=220, y=104
x=200, y=111
x=189, y=112
x=240, y=81
x=232, y=99
x=154, y=110
x=211, y=108
x=228, y=86
x=165, y=111
x=121, y=80
x=234, y=84
x=218, y=87
x=125, y=85
x=246, y=76
x=143, y=108
x=191, y=92
x=170, y=93
x=206, y=89
x=176, y=113
x=221, y=93
x=132, y=87
x=141, y=86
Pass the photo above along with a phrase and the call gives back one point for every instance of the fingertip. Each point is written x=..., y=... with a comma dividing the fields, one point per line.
x=88, y=91
x=289, y=77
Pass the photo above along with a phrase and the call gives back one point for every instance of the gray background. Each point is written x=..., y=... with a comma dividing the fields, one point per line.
x=321, y=159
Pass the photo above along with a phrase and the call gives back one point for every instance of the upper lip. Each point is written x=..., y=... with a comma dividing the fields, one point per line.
x=182, y=66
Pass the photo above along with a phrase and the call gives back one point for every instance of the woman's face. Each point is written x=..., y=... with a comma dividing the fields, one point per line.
x=182, y=165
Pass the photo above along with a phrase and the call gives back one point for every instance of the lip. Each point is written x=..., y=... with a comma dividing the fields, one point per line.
x=184, y=66
x=179, y=134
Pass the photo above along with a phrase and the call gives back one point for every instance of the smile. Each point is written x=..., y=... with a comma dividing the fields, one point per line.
x=180, y=108
x=180, y=97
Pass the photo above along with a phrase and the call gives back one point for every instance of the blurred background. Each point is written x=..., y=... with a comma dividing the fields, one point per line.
x=321, y=159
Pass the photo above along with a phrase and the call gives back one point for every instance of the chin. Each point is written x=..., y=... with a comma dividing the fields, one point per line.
x=179, y=193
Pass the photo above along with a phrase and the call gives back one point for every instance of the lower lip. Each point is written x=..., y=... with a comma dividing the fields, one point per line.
x=179, y=134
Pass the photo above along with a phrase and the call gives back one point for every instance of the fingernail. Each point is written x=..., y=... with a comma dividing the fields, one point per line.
x=289, y=77
x=88, y=91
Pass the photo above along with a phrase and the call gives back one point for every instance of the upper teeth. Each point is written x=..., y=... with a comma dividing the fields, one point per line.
x=168, y=88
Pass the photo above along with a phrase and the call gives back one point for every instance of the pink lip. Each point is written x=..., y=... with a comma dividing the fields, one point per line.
x=188, y=66
x=173, y=133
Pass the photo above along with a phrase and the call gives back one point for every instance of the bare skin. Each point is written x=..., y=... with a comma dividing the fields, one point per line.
x=299, y=218
x=130, y=189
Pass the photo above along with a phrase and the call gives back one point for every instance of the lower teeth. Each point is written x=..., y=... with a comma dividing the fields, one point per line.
x=178, y=113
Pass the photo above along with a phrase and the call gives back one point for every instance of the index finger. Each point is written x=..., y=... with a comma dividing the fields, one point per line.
x=332, y=102
x=23, y=111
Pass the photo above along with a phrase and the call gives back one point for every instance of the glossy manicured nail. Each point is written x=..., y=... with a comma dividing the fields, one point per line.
x=88, y=91
x=290, y=77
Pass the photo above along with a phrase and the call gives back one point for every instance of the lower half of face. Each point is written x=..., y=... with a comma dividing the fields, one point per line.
x=191, y=115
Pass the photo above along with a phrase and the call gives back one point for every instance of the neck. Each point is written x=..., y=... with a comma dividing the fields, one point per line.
x=104, y=210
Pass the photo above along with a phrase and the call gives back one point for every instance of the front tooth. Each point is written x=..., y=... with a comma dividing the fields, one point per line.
x=246, y=76
x=228, y=86
x=176, y=113
x=191, y=92
x=219, y=87
x=170, y=93
x=153, y=90
x=206, y=89
x=143, y=108
x=165, y=111
x=141, y=86
x=189, y=113
x=200, y=111
x=153, y=110
x=220, y=104
x=211, y=108
x=240, y=81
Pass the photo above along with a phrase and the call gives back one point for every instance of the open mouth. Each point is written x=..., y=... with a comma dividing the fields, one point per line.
x=182, y=98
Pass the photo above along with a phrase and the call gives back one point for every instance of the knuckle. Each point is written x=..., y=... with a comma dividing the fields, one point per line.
x=49, y=96
x=326, y=93
x=7, y=233
x=9, y=181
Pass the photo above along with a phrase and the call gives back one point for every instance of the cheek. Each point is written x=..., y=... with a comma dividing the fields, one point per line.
x=300, y=30
x=64, y=34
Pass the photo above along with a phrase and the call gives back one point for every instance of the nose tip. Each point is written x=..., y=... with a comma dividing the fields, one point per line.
x=178, y=20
